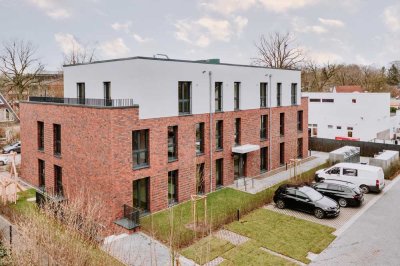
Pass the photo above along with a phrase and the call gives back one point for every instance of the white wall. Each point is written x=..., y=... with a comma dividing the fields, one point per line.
x=153, y=84
x=368, y=116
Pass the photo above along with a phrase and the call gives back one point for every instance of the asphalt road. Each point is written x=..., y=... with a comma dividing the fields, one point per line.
x=373, y=239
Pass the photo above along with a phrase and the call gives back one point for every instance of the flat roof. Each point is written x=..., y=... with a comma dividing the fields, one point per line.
x=174, y=60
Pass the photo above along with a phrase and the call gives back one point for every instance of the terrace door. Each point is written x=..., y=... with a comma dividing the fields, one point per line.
x=141, y=193
x=239, y=165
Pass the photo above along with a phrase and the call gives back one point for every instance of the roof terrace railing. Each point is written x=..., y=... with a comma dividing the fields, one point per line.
x=85, y=101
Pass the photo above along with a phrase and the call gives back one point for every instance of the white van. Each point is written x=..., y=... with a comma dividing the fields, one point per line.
x=367, y=177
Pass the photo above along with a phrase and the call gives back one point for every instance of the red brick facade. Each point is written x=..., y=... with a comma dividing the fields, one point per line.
x=96, y=152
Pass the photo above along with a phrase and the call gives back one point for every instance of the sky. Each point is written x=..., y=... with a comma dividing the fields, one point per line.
x=350, y=31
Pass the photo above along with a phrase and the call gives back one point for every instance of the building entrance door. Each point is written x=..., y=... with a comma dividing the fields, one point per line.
x=239, y=165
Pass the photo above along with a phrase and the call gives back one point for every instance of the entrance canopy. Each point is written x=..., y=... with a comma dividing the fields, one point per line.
x=245, y=148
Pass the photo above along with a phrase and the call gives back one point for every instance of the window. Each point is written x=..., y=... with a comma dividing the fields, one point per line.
x=330, y=126
x=237, y=95
x=200, y=184
x=81, y=92
x=263, y=94
x=219, y=172
x=300, y=148
x=313, y=100
x=282, y=123
x=294, y=93
x=40, y=128
x=41, y=173
x=185, y=97
x=199, y=138
x=218, y=96
x=322, y=185
x=333, y=187
x=278, y=94
x=58, y=186
x=140, y=148
x=350, y=134
x=264, y=127
x=338, y=127
x=349, y=128
x=172, y=187
x=140, y=189
x=57, y=139
x=334, y=171
x=282, y=153
x=301, y=195
x=107, y=93
x=300, y=120
x=328, y=100
x=264, y=159
x=219, y=135
x=172, y=143
x=237, y=131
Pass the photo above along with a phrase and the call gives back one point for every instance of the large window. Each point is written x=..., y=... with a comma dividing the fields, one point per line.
x=237, y=131
x=263, y=94
x=172, y=143
x=282, y=153
x=107, y=93
x=219, y=135
x=185, y=97
x=140, y=148
x=57, y=139
x=237, y=95
x=264, y=127
x=199, y=138
x=279, y=94
x=140, y=189
x=282, y=124
x=218, y=96
x=58, y=185
x=219, y=172
x=264, y=159
x=42, y=174
x=40, y=130
x=300, y=120
x=200, y=184
x=172, y=187
x=81, y=92
x=294, y=93
x=300, y=148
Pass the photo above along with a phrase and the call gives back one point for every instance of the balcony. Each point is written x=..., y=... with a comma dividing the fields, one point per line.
x=130, y=219
x=85, y=102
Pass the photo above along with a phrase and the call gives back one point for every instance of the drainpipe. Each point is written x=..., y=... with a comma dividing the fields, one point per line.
x=211, y=130
x=269, y=120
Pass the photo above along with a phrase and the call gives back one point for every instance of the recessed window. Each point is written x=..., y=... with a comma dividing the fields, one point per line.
x=328, y=100
x=264, y=159
x=330, y=126
x=172, y=187
x=185, y=97
x=218, y=96
x=279, y=94
x=282, y=153
x=57, y=139
x=237, y=131
x=349, y=128
x=42, y=174
x=338, y=127
x=282, y=124
x=219, y=134
x=140, y=189
x=40, y=130
x=314, y=100
x=140, y=148
x=263, y=94
x=294, y=93
x=199, y=138
x=237, y=95
x=300, y=148
x=354, y=101
x=58, y=184
x=81, y=92
x=200, y=183
x=172, y=143
x=264, y=127
x=219, y=172
x=299, y=120
x=107, y=93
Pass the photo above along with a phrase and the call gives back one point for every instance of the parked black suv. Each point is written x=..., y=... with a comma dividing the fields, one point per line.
x=306, y=199
x=345, y=193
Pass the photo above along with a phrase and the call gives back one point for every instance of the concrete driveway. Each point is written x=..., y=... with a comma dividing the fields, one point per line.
x=374, y=239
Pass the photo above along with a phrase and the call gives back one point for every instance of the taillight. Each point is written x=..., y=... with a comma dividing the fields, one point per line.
x=377, y=183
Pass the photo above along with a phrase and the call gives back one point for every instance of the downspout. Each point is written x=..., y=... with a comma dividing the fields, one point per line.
x=211, y=130
x=269, y=121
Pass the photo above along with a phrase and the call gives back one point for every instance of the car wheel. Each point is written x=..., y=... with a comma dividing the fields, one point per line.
x=364, y=189
x=319, y=213
x=280, y=204
x=342, y=202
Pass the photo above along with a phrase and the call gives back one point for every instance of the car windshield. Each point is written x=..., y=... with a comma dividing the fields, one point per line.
x=311, y=193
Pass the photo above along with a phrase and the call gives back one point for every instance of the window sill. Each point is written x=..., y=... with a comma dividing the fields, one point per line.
x=172, y=160
x=263, y=107
x=172, y=204
x=141, y=167
x=219, y=149
x=264, y=139
x=219, y=187
x=41, y=150
x=185, y=114
x=236, y=110
x=57, y=155
x=200, y=154
x=219, y=111
x=263, y=171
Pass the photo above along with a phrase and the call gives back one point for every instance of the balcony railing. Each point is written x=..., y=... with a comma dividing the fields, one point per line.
x=130, y=219
x=86, y=101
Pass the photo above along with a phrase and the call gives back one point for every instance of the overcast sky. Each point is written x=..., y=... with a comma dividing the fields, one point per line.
x=355, y=31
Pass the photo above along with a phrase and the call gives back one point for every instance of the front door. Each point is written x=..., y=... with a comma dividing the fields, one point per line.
x=239, y=165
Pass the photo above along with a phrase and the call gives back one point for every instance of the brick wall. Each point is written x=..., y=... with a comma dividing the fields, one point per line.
x=97, y=149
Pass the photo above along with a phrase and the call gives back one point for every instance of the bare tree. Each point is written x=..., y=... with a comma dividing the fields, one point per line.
x=19, y=67
x=80, y=55
x=278, y=51
x=319, y=78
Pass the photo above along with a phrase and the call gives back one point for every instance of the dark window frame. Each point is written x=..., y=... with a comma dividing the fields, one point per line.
x=219, y=135
x=200, y=138
x=40, y=129
x=57, y=139
x=200, y=182
x=282, y=153
x=42, y=174
x=279, y=94
x=173, y=177
x=136, y=191
x=264, y=127
x=218, y=96
x=300, y=120
x=137, y=151
x=107, y=93
x=184, y=97
x=294, y=93
x=263, y=94
x=282, y=124
x=172, y=145
x=236, y=95
x=81, y=92
x=237, y=135
x=300, y=144
x=58, y=186
x=263, y=159
x=219, y=172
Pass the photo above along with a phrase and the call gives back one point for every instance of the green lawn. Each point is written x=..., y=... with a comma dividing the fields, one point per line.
x=222, y=207
x=206, y=249
x=284, y=234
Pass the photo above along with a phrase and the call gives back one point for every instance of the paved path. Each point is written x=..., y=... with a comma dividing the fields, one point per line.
x=374, y=239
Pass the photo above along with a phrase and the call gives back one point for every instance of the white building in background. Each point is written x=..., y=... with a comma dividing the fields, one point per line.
x=359, y=116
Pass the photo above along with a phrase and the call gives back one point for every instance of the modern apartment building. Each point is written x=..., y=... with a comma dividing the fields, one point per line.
x=149, y=133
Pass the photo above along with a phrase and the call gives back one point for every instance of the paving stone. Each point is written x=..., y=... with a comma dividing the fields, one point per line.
x=231, y=237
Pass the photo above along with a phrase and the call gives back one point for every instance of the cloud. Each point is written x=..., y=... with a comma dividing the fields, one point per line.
x=228, y=6
x=52, y=8
x=68, y=43
x=281, y=6
x=140, y=39
x=114, y=48
x=300, y=25
x=391, y=17
x=205, y=30
x=331, y=22
x=122, y=26
x=322, y=57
